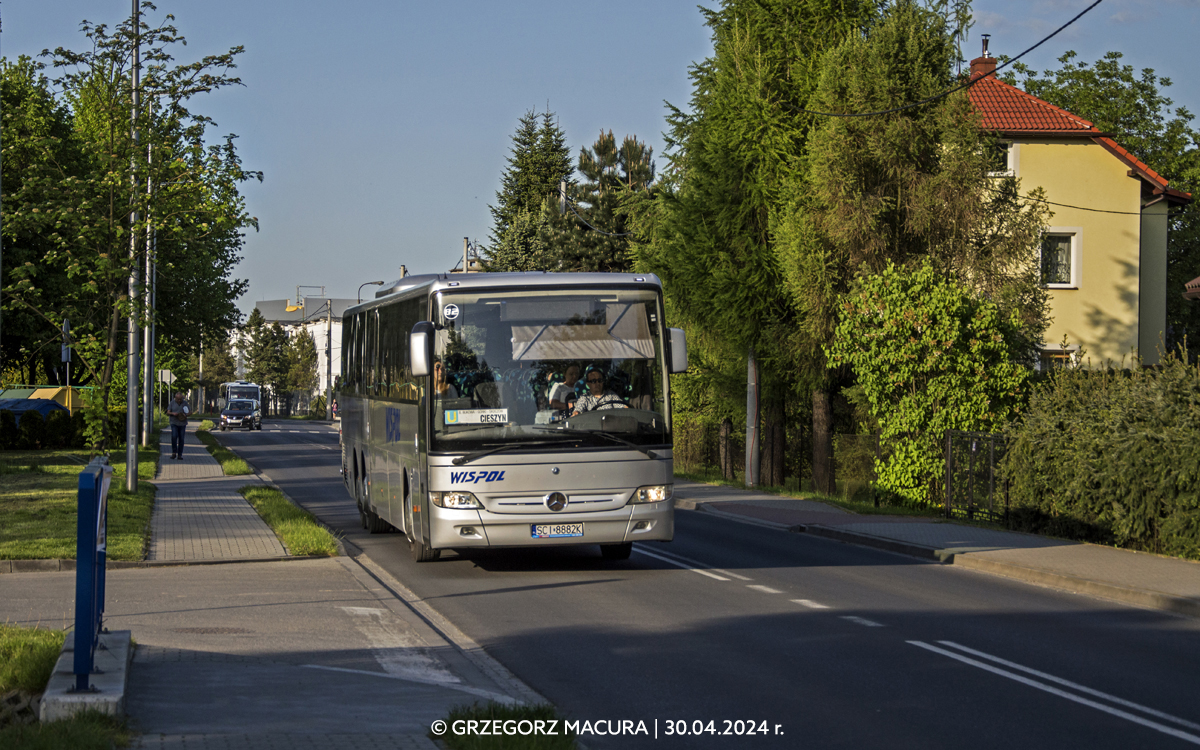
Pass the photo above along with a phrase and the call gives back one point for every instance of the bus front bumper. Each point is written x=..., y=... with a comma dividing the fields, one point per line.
x=482, y=528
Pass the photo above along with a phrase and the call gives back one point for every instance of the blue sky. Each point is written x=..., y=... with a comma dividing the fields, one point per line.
x=382, y=127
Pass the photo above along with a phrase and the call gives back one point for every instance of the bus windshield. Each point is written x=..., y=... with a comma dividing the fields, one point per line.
x=582, y=368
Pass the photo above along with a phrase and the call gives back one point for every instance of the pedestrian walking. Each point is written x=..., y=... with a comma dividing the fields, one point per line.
x=177, y=410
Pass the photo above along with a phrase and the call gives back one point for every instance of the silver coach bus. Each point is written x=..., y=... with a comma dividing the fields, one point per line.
x=451, y=430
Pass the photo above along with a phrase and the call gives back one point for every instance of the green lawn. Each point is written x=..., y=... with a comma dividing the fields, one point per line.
x=295, y=527
x=27, y=657
x=39, y=498
x=852, y=496
x=231, y=464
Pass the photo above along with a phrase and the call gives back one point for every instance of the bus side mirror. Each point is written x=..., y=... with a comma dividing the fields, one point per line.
x=678, y=350
x=420, y=346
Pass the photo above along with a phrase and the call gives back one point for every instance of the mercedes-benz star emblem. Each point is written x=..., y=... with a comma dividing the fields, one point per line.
x=556, y=501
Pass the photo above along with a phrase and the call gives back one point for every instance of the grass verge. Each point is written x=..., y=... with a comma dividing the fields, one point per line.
x=493, y=711
x=865, y=507
x=39, y=501
x=295, y=527
x=27, y=658
x=231, y=464
x=87, y=731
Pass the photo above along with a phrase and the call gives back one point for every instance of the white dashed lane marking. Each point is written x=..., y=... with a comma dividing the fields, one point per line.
x=764, y=589
x=809, y=603
x=862, y=621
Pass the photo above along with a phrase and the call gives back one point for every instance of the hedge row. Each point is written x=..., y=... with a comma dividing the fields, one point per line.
x=1111, y=457
x=33, y=432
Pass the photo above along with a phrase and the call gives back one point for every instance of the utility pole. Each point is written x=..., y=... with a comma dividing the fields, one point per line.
x=131, y=392
x=752, y=431
x=149, y=306
x=66, y=358
x=329, y=362
x=466, y=243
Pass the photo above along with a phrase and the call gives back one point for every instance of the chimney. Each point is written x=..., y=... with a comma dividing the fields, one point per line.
x=984, y=64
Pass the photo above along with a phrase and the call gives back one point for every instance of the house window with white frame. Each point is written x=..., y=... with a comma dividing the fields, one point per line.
x=1000, y=159
x=1060, y=258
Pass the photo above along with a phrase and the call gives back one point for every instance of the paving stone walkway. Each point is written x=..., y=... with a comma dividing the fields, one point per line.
x=198, y=513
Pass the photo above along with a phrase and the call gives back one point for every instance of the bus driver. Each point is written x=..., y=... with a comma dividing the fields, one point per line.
x=597, y=397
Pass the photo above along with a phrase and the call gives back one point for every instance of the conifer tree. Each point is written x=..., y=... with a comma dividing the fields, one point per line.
x=539, y=160
x=710, y=233
x=592, y=235
x=302, y=362
x=904, y=188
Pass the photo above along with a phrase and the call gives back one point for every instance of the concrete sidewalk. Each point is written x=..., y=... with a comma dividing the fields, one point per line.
x=1135, y=578
x=281, y=652
x=199, y=514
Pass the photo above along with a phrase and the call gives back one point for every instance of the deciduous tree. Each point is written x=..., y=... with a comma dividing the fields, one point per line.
x=81, y=207
x=930, y=356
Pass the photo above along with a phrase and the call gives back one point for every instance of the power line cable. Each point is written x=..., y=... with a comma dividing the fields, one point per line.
x=1068, y=205
x=949, y=91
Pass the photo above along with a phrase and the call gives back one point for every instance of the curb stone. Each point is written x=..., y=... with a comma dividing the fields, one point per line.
x=1156, y=600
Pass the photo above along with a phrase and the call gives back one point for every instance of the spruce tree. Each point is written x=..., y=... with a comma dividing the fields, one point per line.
x=710, y=233
x=539, y=160
x=592, y=234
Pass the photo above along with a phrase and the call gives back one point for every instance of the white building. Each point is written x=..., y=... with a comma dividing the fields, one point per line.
x=314, y=315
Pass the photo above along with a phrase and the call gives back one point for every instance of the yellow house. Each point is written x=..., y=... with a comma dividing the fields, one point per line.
x=1104, y=255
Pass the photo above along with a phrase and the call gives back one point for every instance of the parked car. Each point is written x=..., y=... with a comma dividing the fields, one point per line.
x=241, y=412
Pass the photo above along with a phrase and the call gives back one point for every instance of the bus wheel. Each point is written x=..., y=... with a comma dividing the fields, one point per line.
x=616, y=551
x=421, y=553
x=375, y=524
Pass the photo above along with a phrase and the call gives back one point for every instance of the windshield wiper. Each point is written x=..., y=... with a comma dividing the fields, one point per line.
x=506, y=447
x=616, y=439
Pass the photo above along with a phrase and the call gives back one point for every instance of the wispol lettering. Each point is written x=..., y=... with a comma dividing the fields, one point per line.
x=475, y=477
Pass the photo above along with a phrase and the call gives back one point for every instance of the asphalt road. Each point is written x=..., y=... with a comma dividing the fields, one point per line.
x=806, y=642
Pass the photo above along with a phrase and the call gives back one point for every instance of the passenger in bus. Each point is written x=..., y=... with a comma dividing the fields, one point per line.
x=563, y=394
x=441, y=384
x=597, y=397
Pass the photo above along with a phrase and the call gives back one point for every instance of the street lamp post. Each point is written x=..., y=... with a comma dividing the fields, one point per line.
x=368, y=283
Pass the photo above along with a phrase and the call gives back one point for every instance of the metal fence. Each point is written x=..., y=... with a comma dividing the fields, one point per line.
x=716, y=452
x=974, y=487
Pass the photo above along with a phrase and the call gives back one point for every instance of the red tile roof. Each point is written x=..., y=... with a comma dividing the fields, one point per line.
x=1192, y=289
x=1009, y=111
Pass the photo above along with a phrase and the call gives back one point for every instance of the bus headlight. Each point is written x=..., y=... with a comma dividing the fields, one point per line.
x=454, y=500
x=655, y=493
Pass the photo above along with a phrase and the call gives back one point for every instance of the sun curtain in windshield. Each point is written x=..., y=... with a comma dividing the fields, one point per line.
x=506, y=355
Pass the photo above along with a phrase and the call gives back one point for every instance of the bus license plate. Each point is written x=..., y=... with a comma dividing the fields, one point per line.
x=556, y=530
